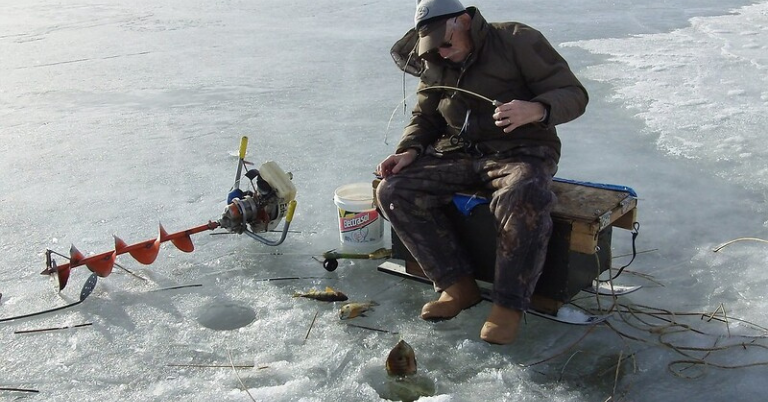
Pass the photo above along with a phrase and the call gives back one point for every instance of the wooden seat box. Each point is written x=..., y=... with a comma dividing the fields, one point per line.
x=579, y=248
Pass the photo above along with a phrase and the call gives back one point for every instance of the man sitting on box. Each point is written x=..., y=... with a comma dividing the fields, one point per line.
x=489, y=98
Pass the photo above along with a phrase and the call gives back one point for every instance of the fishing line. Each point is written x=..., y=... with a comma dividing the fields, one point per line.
x=242, y=384
x=675, y=327
x=565, y=350
x=240, y=366
x=407, y=62
x=35, y=331
x=405, y=68
x=19, y=390
x=387, y=288
x=311, y=325
x=489, y=100
x=290, y=278
x=720, y=247
x=402, y=102
x=639, y=318
x=194, y=285
x=18, y=317
x=88, y=287
x=372, y=329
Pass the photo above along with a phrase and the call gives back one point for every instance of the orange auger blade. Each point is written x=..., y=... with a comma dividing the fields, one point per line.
x=181, y=240
x=184, y=244
x=102, y=266
x=144, y=252
x=75, y=256
x=62, y=274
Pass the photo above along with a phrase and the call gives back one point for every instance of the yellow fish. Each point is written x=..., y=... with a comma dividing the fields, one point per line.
x=401, y=360
x=352, y=310
x=328, y=295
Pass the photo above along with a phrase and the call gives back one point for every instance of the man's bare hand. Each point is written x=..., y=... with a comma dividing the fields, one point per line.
x=518, y=113
x=396, y=162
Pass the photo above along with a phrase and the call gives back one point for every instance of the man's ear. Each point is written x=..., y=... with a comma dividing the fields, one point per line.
x=464, y=21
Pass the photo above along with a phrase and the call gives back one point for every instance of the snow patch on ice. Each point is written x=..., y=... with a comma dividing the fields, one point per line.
x=675, y=82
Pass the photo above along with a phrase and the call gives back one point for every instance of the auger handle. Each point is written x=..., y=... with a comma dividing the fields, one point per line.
x=241, y=162
x=243, y=146
x=291, y=210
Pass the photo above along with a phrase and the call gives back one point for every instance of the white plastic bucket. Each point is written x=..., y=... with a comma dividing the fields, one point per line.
x=361, y=229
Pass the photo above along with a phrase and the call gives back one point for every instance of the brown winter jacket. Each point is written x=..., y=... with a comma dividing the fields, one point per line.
x=509, y=61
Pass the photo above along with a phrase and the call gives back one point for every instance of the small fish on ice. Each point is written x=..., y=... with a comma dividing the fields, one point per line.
x=352, y=310
x=403, y=384
x=401, y=360
x=328, y=295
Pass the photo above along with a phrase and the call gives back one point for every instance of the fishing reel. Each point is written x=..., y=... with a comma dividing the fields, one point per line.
x=260, y=209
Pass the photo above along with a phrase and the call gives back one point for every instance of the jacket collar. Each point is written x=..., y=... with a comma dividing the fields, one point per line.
x=479, y=29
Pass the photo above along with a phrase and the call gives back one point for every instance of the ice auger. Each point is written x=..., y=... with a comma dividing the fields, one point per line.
x=260, y=209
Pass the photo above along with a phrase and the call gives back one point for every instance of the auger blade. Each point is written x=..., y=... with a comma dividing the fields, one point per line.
x=102, y=266
x=60, y=274
x=120, y=245
x=75, y=256
x=184, y=243
x=145, y=252
x=181, y=240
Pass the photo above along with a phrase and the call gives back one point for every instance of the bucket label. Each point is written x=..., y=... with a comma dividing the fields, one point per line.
x=360, y=227
x=349, y=221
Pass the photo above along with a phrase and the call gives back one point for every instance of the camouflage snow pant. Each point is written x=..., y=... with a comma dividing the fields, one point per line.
x=521, y=203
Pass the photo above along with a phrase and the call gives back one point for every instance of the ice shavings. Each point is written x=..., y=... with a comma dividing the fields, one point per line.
x=700, y=88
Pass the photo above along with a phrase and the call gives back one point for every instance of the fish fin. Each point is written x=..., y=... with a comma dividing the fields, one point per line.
x=329, y=289
x=373, y=303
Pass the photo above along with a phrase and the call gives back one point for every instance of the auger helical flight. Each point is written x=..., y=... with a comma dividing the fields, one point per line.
x=250, y=211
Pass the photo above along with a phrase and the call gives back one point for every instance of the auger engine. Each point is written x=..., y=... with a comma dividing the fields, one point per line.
x=261, y=208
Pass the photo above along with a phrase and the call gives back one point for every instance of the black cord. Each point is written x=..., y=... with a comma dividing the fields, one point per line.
x=635, y=232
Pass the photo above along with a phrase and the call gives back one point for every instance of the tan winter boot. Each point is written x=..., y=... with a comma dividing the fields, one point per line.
x=501, y=326
x=461, y=295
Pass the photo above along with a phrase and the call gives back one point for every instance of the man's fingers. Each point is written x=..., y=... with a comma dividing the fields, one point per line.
x=398, y=166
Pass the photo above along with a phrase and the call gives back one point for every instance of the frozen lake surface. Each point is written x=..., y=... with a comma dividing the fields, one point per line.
x=115, y=116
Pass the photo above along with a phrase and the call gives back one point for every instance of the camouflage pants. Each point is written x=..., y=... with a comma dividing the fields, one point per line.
x=521, y=203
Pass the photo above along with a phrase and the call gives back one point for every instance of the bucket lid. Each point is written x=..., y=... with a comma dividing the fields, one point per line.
x=354, y=197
